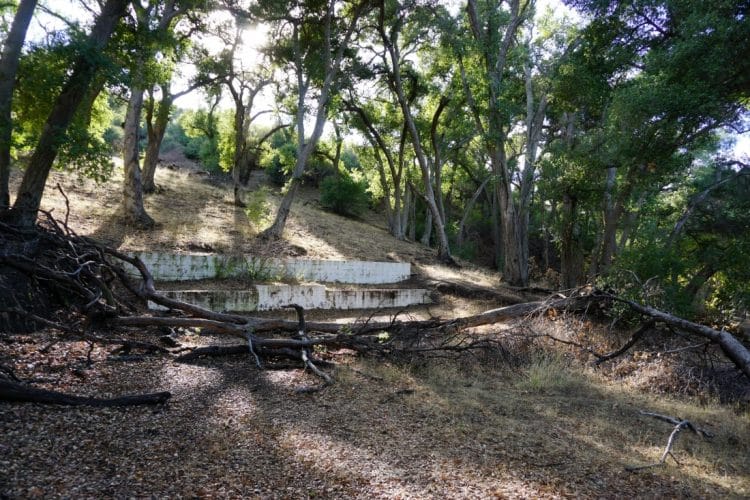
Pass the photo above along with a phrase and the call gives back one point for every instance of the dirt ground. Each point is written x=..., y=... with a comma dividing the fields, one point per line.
x=516, y=423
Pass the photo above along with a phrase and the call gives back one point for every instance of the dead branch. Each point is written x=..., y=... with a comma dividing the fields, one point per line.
x=14, y=391
x=211, y=351
x=730, y=345
x=76, y=284
x=472, y=291
x=305, y=351
x=679, y=426
x=648, y=325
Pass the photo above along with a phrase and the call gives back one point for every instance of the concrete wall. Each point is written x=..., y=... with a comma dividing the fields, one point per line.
x=269, y=297
x=373, y=299
x=181, y=267
x=276, y=296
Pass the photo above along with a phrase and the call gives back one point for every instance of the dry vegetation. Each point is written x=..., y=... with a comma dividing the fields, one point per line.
x=531, y=419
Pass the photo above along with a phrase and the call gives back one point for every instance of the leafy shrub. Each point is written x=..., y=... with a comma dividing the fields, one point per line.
x=276, y=170
x=258, y=209
x=344, y=195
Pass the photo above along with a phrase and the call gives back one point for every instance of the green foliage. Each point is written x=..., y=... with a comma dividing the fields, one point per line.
x=201, y=137
x=702, y=270
x=91, y=139
x=277, y=171
x=175, y=135
x=253, y=270
x=344, y=195
x=279, y=158
x=258, y=209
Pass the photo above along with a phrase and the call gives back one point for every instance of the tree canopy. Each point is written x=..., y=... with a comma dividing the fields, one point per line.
x=577, y=144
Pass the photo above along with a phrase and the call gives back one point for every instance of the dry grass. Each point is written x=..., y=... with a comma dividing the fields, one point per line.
x=536, y=422
x=195, y=212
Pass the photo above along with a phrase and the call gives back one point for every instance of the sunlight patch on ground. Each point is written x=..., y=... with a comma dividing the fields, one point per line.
x=187, y=377
x=231, y=406
x=475, y=276
x=387, y=477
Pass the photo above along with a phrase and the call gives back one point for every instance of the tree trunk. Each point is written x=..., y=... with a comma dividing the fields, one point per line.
x=391, y=216
x=391, y=45
x=412, y=215
x=495, y=43
x=497, y=239
x=630, y=222
x=427, y=232
x=26, y=206
x=132, y=200
x=8, y=66
x=515, y=267
x=396, y=215
x=698, y=280
x=304, y=150
x=571, y=255
x=732, y=347
x=156, y=130
x=467, y=211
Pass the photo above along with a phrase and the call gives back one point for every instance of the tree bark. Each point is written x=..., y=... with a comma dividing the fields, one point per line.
x=515, y=268
x=132, y=194
x=26, y=206
x=155, y=130
x=428, y=225
x=467, y=211
x=732, y=347
x=396, y=214
x=8, y=67
x=495, y=43
x=571, y=254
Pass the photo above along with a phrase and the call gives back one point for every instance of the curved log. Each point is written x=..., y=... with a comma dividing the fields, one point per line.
x=730, y=345
x=13, y=391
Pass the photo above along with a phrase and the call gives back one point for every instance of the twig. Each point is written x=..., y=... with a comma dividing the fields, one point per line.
x=687, y=348
x=252, y=351
x=679, y=426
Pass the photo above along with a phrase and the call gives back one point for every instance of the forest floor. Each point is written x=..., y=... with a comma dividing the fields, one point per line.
x=524, y=422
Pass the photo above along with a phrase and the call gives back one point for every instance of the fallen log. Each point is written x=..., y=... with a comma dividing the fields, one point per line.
x=472, y=291
x=263, y=325
x=735, y=350
x=14, y=391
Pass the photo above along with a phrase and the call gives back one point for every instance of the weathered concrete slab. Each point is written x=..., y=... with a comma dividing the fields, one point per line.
x=270, y=297
x=376, y=298
x=183, y=267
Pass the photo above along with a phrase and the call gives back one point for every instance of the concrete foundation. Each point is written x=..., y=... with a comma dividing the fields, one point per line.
x=183, y=267
x=269, y=297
